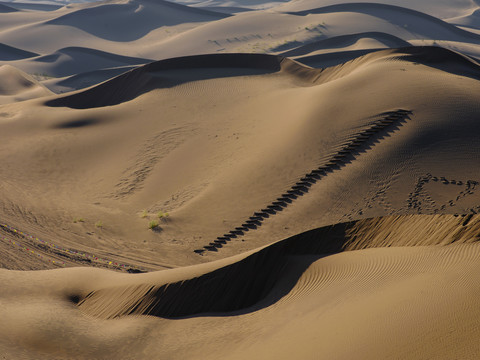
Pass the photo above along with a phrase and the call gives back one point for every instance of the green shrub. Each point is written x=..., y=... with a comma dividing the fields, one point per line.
x=162, y=215
x=153, y=224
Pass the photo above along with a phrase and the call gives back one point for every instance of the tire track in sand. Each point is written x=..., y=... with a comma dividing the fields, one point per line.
x=362, y=141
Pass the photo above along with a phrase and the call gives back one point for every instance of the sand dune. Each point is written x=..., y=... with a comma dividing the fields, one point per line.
x=146, y=14
x=31, y=6
x=10, y=53
x=471, y=20
x=119, y=120
x=148, y=77
x=75, y=60
x=377, y=40
x=439, y=8
x=84, y=80
x=165, y=30
x=18, y=86
x=428, y=26
x=6, y=9
x=379, y=292
x=239, y=180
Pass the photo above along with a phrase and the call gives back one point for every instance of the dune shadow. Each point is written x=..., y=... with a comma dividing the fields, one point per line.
x=167, y=74
x=256, y=282
x=10, y=53
x=76, y=124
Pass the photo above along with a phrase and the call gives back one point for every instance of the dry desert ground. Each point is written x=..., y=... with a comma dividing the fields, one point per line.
x=241, y=179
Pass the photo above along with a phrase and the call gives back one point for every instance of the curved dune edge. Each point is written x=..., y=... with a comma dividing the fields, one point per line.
x=244, y=285
x=346, y=40
x=159, y=74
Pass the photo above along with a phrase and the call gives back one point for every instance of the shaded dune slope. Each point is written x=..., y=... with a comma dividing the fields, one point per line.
x=9, y=53
x=31, y=6
x=472, y=20
x=75, y=51
x=149, y=77
x=75, y=60
x=85, y=79
x=246, y=285
x=346, y=40
x=7, y=9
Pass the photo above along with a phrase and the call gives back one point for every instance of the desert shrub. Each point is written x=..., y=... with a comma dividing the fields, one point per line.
x=153, y=224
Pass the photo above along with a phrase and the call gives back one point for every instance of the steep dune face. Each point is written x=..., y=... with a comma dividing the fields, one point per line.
x=10, y=53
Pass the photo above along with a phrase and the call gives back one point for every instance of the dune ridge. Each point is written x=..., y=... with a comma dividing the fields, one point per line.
x=346, y=40
x=143, y=79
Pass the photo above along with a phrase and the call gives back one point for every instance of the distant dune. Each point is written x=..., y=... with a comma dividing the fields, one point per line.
x=391, y=13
